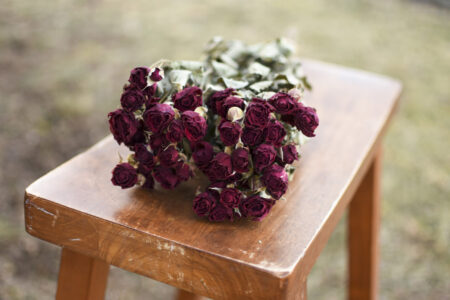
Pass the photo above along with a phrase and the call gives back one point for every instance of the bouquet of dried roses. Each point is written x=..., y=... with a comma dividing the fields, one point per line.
x=237, y=117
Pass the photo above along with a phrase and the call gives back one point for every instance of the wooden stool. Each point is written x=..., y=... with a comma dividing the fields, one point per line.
x=155, y=233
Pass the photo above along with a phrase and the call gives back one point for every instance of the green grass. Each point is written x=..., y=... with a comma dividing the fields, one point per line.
x=62, y=65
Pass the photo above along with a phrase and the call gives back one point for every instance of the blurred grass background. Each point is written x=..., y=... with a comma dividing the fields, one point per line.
x=63, y=63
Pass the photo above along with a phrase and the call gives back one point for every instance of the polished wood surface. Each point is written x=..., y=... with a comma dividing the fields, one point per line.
x=156, y=234
x=363, y=227
x=81, y=277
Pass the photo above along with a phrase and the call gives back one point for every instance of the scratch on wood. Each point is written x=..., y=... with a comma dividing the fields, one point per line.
x=180, y=277
x=75, y=240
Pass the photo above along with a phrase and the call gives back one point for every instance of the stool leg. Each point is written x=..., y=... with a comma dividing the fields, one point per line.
x=363, y=225
x=81, y=277
x=184, y=295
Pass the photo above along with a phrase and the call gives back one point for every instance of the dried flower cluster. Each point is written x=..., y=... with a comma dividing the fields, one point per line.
x=237, y=117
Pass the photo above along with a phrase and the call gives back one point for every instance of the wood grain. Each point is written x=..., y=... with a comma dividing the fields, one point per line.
x=363, y=226
x=155, y=233
x=81, y=277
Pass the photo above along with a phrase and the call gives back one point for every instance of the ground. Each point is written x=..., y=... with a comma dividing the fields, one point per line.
x=62, y=65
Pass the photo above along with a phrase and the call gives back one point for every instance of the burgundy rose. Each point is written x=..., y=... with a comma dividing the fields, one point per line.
x=220, y=213
x=138, y=77
x=168, y=156
x=219, y=96
x=275, y=180
x=175, y=131
x=124, y=175
x=166, y=176
x=230, y=197
x=145, y=159
x=155, y=76
x=253, y=137
x=158, y=142
x=257, y=115
x=183, y=171
x=263, y=156
x=132, y=99
x=203, y=203
x=150, y=92
x=283, y=103
x=229, y=132
x=220, y=167
x=122, y=125
x=194, y=126
x=275, y=133
x=223, y=106
x=256, y=207
x=239, y=159
x=149, y=182
x=306, y=120
x=158, y=117
x=289, y=153
x=203, y=153
x=188, y=99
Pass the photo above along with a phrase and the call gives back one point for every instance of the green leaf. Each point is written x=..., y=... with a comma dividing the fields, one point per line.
x=231, y=83
x=261, y=86
x=260, y=69
x=223, y=70
x=179, y=78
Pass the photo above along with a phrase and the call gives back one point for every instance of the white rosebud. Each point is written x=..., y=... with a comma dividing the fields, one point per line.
x=234, y=114
x=202, y=111
x=295, y=93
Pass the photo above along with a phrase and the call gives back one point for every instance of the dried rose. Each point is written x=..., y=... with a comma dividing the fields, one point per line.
x=275, y=180
x=263, y=156
x=188, y=99
x=229, y=132
x=158, y=117
x=122, y=125
x=124, y=175
x=194, y=126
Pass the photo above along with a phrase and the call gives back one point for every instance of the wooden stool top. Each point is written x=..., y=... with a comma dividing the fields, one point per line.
x=156, y=234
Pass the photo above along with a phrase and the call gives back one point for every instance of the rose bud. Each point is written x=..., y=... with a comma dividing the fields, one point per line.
x=132, y=99
x=219, y=96
x=156, y=76
x=124, y=175
x=149, y=92
x=289, y=153
x=138, y=77
x=188, y=99
x=168, y=157
x=194, y=126
x=235, y=114
x=239, y=159
x=229, y=132
x=256, y=207
x=145, y=159
x=283, y=103
x=158, y=142
x=223, y=106
x=183, y=171
x=275, y=180
x=257, y=115
x=220, y=213
x=220, y=167
x=203, y=154
x=306, y=120
x=149, y=182
x=203, y=203
x=263, y=156
x=175, y=131
x=275, y=133
x=166, y=176
x=230, y=197
x=122, y=125
x=158, y=117
x=253, y=137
